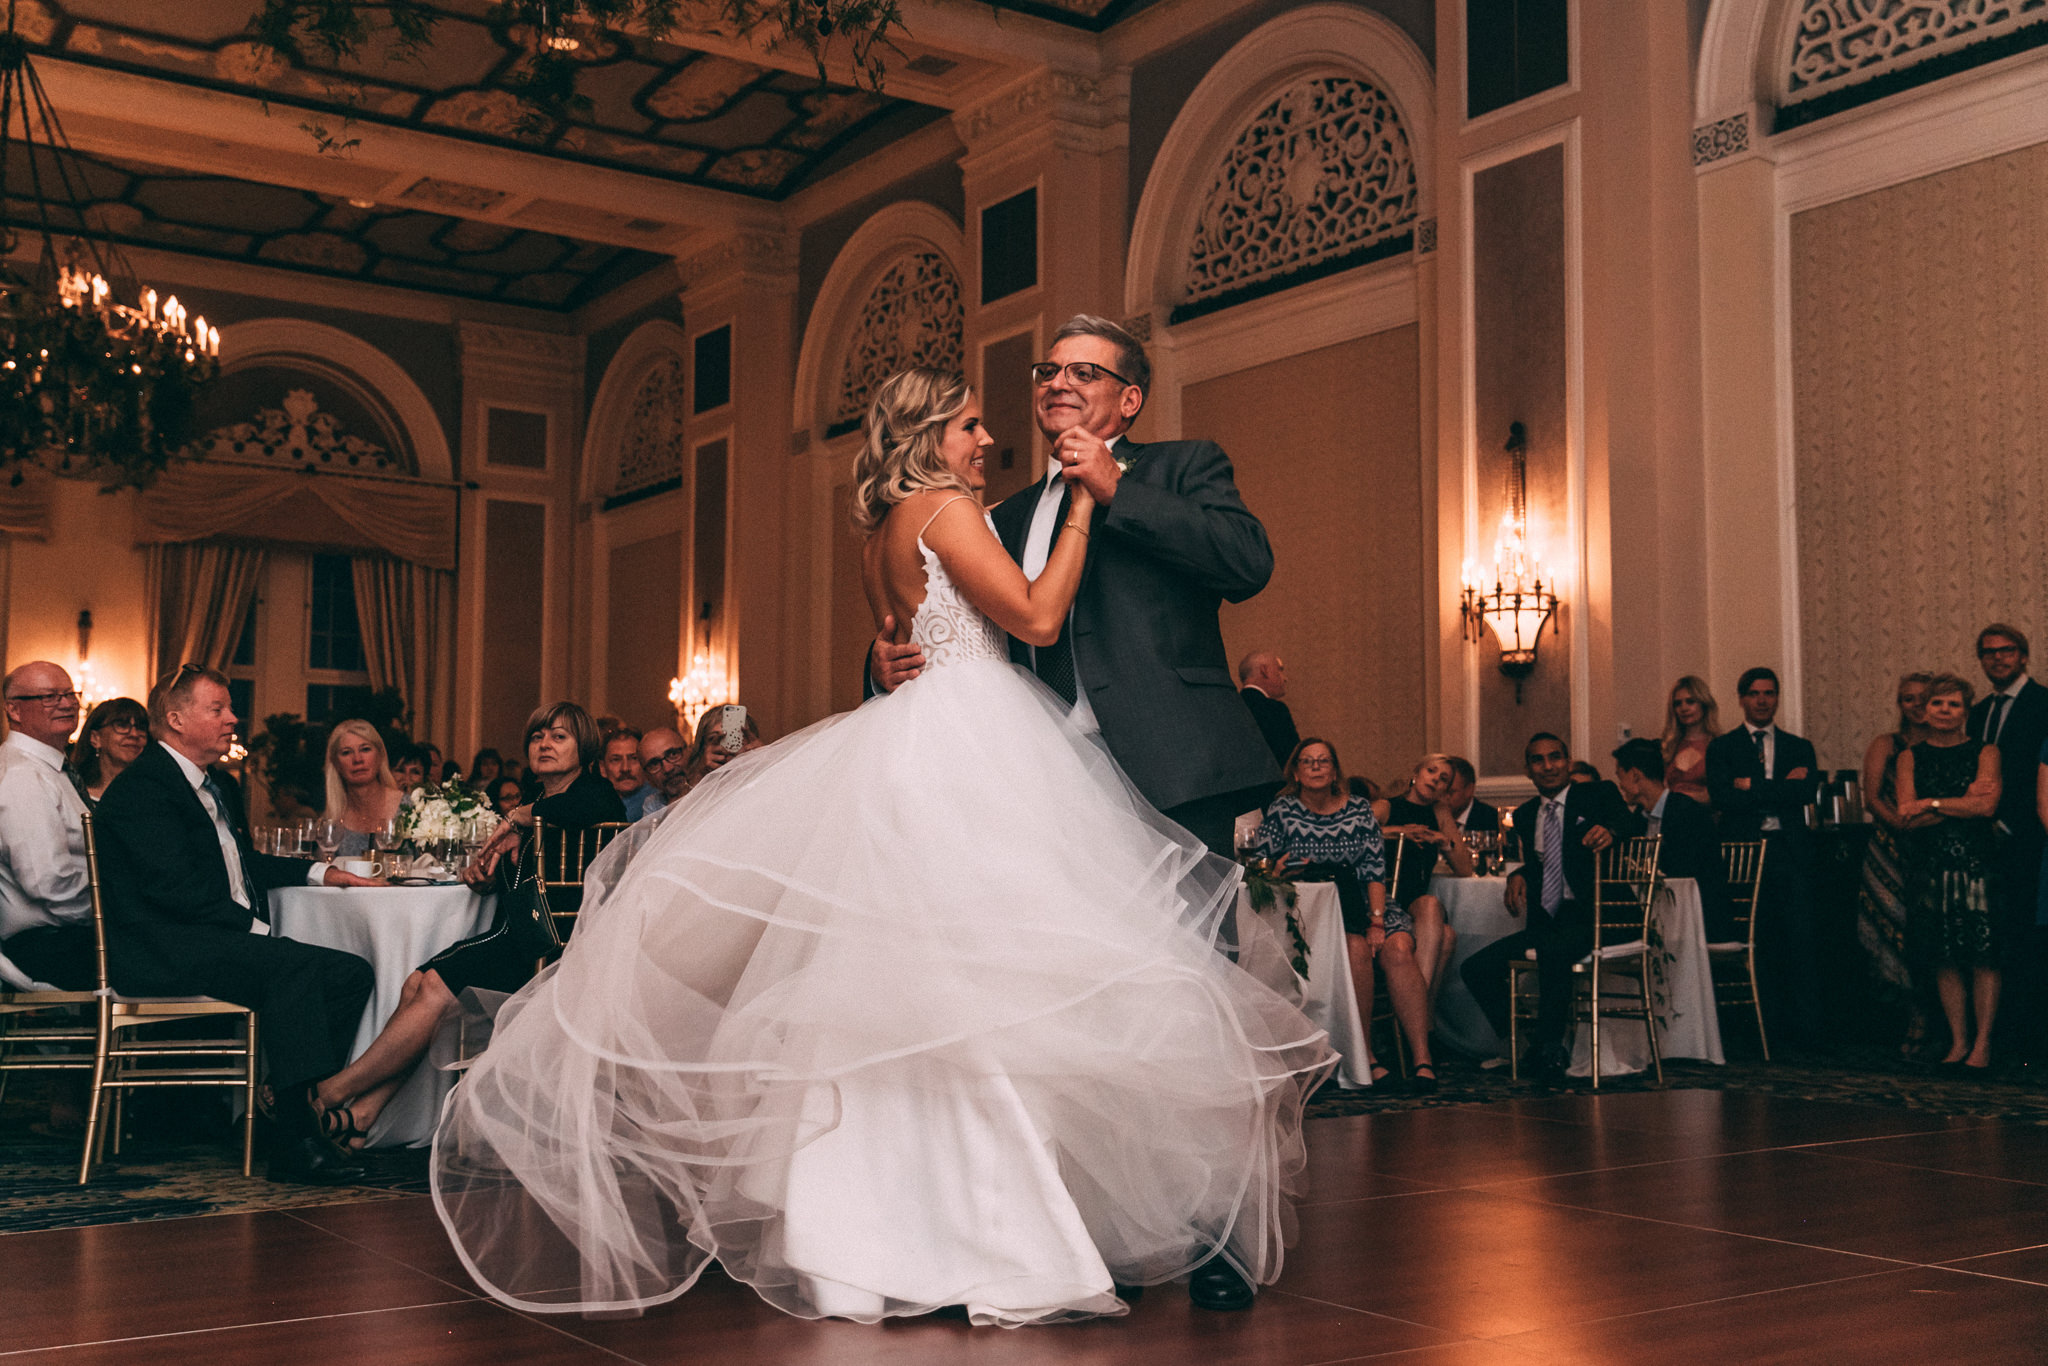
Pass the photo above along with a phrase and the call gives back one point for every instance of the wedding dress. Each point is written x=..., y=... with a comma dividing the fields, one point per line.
x=917, y=1007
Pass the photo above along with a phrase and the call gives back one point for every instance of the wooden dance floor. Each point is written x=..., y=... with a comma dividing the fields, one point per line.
x=1680, y=1226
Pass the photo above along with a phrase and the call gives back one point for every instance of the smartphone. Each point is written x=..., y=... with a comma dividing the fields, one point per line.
x=732, y=727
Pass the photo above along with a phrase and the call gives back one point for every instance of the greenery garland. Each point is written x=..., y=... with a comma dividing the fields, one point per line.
x=1265, y=890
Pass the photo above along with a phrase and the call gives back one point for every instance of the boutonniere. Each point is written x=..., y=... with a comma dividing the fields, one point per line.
x=1123, y=460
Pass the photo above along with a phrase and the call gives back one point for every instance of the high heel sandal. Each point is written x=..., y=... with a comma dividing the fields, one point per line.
x=1418, y=1082
x=338, y=1122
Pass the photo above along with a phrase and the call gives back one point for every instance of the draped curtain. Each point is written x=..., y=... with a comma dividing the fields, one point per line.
x=407, y=616
x=193, y=500
x=195, y=597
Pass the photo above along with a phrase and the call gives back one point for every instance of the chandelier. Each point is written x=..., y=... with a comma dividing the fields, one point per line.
x=1516, y=604
x=89, y=384
x=702, y=686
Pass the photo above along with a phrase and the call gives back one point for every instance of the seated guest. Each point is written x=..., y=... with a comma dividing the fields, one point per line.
x=111, y=739
x=1262, y=683
x=707, y=755
x=1322, y=833
x=1691, y=846
x=562, y=745
x=1473, y=815
x=1421, y=815
x=1691, y=720
x=1562, y=829
x=1881, y=898
x=485, y=769
x=1952, y=867
x=45, y=904
x=665, y=759
x=184, y=890
x=362, y=791
x=621, y=768
x=506, y=794
x=437, y=771
x=1583, y=772
x=408, y=769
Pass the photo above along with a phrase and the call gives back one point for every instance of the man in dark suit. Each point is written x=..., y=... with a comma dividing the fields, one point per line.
x=1691, y=845
x=1562, y=830
x=1262, y=683
x=1761, y=779
x=1471, y=813
x=2014, y=717
x=185, y=906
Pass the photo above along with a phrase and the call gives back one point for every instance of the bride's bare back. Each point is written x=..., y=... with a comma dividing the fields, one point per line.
x=954, y=526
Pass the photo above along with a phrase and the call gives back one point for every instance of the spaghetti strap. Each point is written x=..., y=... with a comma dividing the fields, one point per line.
x=966, y=497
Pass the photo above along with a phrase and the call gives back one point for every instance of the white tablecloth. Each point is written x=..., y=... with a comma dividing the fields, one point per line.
x=1326, y=997
x=394, y=929
x=1688, y=1026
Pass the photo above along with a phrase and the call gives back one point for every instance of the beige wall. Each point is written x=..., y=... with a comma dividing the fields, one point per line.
x=1325, y=447
x=1920, y=390
x=89, y=562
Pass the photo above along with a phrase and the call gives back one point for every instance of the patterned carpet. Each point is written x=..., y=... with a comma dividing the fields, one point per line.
x=186, y=1158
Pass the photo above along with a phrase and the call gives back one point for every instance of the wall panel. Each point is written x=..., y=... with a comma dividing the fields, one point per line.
x=645, y=610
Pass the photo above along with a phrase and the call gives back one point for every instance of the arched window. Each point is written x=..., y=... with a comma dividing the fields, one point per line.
x=651, y=446
x=913, y=316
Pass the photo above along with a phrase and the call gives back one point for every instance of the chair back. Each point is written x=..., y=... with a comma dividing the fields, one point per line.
x=1625, y=889
x=99, y=910
x=1744, y=862
x=1400, y=843
x=562, y=856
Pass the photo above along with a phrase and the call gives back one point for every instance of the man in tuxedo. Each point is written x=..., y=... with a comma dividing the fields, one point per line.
x=186, y=913
x=1262, y=683
x=1691, y=845
x=1562, y=828
x=2014, y=717
x=1472, y=814
x=1761, y=778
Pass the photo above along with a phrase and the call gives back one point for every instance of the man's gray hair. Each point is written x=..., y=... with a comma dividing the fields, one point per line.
x=1131, y=361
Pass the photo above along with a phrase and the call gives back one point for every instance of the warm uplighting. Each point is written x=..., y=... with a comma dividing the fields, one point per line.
x=1512, y=598
x=702, y=687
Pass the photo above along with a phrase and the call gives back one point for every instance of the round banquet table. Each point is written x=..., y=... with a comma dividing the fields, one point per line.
x=394, y=929
x=1688, y=1025
x=1326, y=995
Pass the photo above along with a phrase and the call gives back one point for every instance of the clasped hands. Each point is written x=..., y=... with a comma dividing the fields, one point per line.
x=1743, y=784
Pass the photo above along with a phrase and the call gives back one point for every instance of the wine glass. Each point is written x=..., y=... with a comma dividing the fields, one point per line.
x=385, y=836
x=327, y=836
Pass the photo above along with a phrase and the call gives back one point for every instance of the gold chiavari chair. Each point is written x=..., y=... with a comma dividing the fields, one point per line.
x=1383, y=999
x=1733, y=963
x=121, y=1061
x=1616, y=980
x=561, y=858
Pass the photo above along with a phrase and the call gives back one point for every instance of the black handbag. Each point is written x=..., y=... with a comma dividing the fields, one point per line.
x=523, y=909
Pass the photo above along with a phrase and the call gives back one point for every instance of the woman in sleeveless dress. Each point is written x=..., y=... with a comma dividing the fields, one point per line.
x=1948, y=787
x=1422, y=816
x=917, y=1007
x=1881, y=899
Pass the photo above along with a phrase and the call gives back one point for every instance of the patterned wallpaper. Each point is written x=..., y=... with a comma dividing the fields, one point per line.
x=1920, y=354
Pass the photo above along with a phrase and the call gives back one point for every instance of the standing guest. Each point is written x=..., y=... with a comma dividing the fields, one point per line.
x=1329, y=835
x=1688, y=844
x=1691, y=720
x=665, y=759
x=1562, y=828
x=408, y=769
x=506, y=794
x=111, y=739
x=45, y=904
x=185, y=898
x=1422, y=815
x=1881, y=899
x=1952, y=867
x=2014, y=717
x=1262, y=683
x=1473, y=815
x=363, y=792
x=484, y=770
x=1761, y=778
x=621, y=768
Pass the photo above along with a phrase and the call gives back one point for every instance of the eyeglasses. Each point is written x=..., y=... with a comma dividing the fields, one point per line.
x=52, y=699
x=1314, y=763
x=1082, y=372
x=2000, y=650
x=132, y=727
x=666, y=757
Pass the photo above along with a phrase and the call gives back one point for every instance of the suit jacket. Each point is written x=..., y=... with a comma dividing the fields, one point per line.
x=2019, y=757
x=1733, y=755
x=1483, y=816
x=1692, y=848
x=1585, y=806
x=162, y=874
x=1276, y=722
x=1177, y=543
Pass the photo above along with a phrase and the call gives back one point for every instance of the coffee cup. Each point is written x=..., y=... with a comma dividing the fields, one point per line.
x=361, y=867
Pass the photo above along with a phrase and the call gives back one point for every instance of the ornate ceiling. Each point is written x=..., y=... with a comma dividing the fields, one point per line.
x=657, y=108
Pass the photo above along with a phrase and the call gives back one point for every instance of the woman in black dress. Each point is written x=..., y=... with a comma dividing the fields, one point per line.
x=1422, y=816
x=1948, y=786
x=562, y=749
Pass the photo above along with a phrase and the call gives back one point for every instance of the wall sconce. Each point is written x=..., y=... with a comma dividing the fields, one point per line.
x=703, y=685
x=1517, y=604
x=86, y=678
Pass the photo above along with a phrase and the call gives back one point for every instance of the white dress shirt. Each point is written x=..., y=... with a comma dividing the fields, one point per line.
x=1770, y=753
x=1037, y=550
x=1655, y=814
x=230, y=850
x=2011, y=692
x=42, y=840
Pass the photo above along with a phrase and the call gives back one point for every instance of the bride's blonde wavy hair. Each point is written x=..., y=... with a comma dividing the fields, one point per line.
x=901, y=456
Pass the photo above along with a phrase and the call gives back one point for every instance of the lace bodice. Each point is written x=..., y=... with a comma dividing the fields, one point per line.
x=947, y=627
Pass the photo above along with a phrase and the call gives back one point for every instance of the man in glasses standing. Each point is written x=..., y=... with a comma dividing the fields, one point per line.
x=2014, y=717
x=1141, y=660
x=45, y=905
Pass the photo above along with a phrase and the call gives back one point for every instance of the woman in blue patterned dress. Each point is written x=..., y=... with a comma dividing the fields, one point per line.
x=1322, y=832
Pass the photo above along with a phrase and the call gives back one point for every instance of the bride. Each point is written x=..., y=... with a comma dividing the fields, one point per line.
x=918, y=1007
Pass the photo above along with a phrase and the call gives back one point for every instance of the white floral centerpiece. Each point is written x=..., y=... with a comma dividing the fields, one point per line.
x=453, y=812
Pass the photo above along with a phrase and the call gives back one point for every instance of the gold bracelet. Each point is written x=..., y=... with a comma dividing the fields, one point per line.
x=1070, y=526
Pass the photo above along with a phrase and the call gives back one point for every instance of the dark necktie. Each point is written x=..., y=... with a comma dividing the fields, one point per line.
x=1054, y=663
x=1996, y=721
x=1762, y=756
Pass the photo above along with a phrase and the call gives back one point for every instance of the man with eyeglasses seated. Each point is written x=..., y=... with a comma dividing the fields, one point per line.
x=665, y=759
x=45, y=904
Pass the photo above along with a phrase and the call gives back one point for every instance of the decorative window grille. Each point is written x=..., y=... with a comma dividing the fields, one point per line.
x=651, y=452
x=913, y=317
x=1837, y=43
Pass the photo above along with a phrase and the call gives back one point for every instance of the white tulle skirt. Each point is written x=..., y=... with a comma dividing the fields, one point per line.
x=918, y=1007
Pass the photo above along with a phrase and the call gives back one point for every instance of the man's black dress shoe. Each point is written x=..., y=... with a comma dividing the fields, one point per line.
x=1218, y=1285
x=311, y=1161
